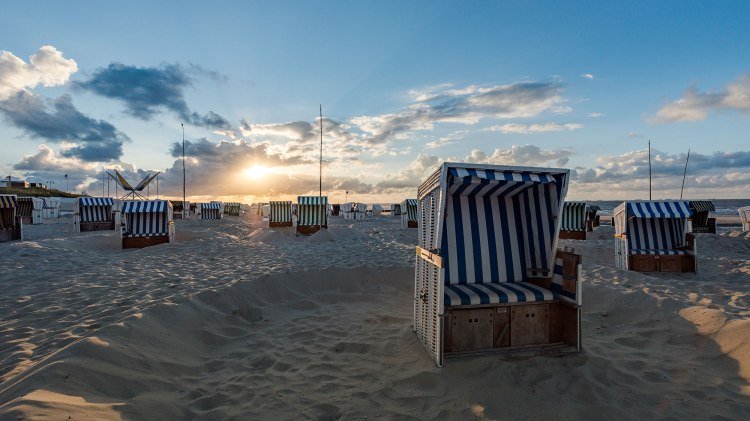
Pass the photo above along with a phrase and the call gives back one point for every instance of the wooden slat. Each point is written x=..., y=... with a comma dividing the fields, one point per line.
x=433, y=258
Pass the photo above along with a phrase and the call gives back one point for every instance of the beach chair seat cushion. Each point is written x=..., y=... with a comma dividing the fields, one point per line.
x=496, y=293
x=659, y=252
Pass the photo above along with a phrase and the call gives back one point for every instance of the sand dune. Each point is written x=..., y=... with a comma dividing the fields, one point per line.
x=265, y=325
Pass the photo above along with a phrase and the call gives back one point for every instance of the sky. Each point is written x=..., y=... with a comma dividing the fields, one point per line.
x=92, y=86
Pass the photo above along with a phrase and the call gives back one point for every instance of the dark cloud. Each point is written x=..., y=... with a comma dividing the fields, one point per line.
x=147, y=90
x=60, y=121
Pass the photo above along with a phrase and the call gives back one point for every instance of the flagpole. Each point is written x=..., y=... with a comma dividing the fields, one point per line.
x=320, y=170
x=184, y=202
x=685, y=173
x=649, y=169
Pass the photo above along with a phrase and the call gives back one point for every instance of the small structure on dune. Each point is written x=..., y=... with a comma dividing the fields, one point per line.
x=700, y=222
x=745, y=217
x=280, y=214
x=312, y=215
x=232, y=208
x=335, y=209
x=146, y=223
x=10, y=226
x=409, y=211
x=575, y=221
x=180, y=208
x=94, y=214
x=489, y=276
x=29, y=210
x=210, y=211
x=653, y=236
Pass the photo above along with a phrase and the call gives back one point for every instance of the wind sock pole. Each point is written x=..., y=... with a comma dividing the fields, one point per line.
x=184, y=202
x=649, y=169
x=320, y=173
x=685, y=173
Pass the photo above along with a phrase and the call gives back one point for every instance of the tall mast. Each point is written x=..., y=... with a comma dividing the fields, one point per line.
x=685, y=173
x=184, y=203
x=320, y=171
x=649, y=169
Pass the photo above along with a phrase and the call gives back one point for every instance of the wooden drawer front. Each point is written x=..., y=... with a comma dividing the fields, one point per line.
x=471, y=329
x=643, y=263
x=670, y=263
x=529, y=325
x=501, y=326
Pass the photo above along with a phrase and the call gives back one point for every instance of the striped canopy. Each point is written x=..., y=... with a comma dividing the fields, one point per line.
x=7, y=200
x=702, y=206
x=574, y=216
x=659, y=209
x=145, y=206
x=212, y=205
x=95, y=201
x=312, y=210
x=500, y=223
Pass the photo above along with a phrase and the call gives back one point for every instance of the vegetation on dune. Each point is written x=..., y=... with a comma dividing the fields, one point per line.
x=36, y=192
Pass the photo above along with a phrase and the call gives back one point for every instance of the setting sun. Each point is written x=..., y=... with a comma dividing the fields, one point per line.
x=256, y=171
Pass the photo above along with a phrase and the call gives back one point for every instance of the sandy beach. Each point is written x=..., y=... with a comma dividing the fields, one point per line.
x=235, y=321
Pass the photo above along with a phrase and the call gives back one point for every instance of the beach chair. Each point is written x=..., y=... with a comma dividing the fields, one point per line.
x=653, y=236
x=232, y=209
x=311, y=214
x=349, y=210
x=280, y=214
x=396, y=209
x=335, y=209
x=593, y=217
x=211, y=211
x=575, y=221
x=94, y=214
x=11, y=227
x=409, y=209
x=51, y=208
x=700, y=222
x=146, y=223
x=377, y=209
x=29, y=210
x=180, y=209
x=488, y=276
x=745, y=217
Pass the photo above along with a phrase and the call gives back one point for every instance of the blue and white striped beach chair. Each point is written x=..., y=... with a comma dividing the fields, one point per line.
x=10, y=227
x=280, y=214
x=489, y=276
x=652, y=236
x=94, y=214
x=211, y=211
x=312, y=214
x=146, y=223
x=409, y=209
x=575, y=221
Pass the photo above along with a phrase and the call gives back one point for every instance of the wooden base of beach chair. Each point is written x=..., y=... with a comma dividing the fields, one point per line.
x=662, y=263
x=177, y=215
x=279, y=224
x=97, y=226
x=141, y=242
x=309, y=229
x=572, y=235
x=510, y=326
x=412, y=224
x=10, y=234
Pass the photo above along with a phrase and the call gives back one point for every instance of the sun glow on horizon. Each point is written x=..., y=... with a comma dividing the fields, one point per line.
x=256, y=171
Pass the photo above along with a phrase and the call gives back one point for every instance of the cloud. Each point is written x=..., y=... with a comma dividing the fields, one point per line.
x=60, y=121
x=412, y=175
x=634, y=135
x=467, y=106
x=518, y=128
x=588, y=76
x=46, y=67
x=527, y=155
x=628, y=172
x=595, y=115
x=695, y=105
x=148, y=90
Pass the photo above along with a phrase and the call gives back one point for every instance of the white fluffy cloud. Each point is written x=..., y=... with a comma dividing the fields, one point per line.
x=46, y=67
x=518, y=128
x=695, y=105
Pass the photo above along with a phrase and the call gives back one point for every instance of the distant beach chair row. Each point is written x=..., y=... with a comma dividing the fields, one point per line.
x=745, y=217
